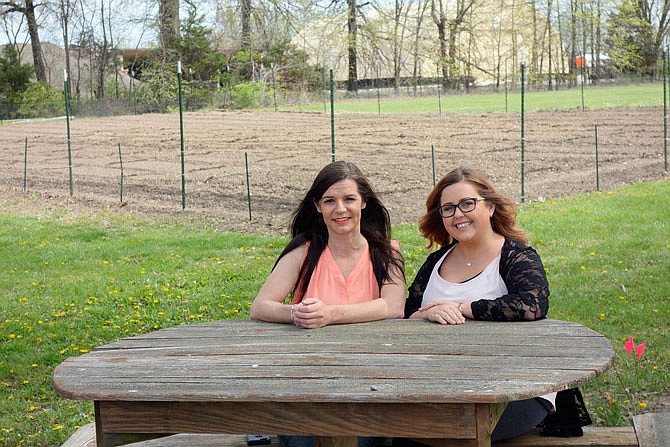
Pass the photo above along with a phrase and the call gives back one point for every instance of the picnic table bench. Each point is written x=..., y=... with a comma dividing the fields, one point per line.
x=389, y=378
x=648, y=430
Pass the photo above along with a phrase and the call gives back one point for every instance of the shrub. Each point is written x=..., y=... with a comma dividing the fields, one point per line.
x=246, y=95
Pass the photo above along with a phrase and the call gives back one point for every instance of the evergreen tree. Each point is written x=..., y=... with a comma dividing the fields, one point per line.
x=14, y=80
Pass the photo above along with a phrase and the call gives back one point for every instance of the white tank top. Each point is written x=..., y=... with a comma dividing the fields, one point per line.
x=487, y=285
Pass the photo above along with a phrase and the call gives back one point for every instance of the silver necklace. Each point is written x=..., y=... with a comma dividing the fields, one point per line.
x=469, y=263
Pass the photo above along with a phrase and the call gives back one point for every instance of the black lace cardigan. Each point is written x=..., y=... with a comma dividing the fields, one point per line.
x=527, y=298
x=523, y=273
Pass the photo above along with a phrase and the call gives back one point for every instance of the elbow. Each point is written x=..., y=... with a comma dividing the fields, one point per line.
x=537, y=312
x=253, y=313
x=397, y=315
x=396, y=311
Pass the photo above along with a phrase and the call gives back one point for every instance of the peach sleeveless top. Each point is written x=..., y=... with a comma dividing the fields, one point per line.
x=330, y=286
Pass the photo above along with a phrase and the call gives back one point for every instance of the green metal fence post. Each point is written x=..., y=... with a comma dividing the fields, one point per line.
x=181, y=138
x=67, y=119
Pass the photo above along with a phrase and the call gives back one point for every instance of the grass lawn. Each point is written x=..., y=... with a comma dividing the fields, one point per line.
x=594, y=97
x=70, y=284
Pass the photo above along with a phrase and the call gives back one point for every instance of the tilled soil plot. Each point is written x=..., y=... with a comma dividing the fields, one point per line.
x=284, y=151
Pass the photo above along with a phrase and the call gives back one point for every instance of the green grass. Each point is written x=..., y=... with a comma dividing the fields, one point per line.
x=70, y=284
x=595, y=97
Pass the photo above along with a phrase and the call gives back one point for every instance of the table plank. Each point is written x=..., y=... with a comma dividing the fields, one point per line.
x=393, y=360
x=304, y=418
x=391, y=378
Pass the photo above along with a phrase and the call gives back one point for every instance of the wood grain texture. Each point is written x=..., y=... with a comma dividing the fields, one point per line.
x=653, y=429
x=387, y=378
x=385, y=361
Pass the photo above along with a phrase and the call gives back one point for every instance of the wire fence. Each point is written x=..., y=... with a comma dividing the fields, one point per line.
x=134, y=98
x=248, y=170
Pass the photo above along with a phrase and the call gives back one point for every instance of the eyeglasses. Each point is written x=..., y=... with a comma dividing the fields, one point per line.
x=465, y=205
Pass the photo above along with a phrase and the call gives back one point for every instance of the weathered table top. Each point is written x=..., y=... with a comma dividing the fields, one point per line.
x=390, y=378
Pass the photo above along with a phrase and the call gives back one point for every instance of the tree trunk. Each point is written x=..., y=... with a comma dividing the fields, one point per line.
x=36, y=45
x=417, y=41
x=103, y=56
x=245, y=12
x=549, y=45
x=440, y=20
x=168, y=23
x=65, y=21
x=573, y=37
x=352, y=81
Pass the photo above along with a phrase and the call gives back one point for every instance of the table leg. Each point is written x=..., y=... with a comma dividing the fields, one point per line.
x=487, y=416
x=105, y=439
x=336, y=441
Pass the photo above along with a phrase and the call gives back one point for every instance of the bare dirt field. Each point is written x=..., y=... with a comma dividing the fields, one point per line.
x=285, y=150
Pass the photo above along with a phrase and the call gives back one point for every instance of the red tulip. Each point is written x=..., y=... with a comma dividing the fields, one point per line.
x=629, y=345
x=639, y=350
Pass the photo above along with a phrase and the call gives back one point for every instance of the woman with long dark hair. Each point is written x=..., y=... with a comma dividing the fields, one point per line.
x=341, y=265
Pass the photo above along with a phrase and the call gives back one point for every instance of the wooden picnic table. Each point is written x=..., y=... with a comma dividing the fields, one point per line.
x=408, y=378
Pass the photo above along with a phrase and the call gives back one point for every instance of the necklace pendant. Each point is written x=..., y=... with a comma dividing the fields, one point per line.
x=468, y=264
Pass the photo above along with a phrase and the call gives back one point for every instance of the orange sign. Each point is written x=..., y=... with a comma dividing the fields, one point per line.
x=579, y=61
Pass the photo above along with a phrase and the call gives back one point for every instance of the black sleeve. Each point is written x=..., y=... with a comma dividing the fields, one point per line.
x=527, y=295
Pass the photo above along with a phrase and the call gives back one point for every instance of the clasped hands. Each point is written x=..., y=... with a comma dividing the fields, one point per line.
x=311, y=313
x=443, y=312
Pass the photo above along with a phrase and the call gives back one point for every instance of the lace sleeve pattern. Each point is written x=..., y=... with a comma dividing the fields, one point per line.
x=528, y=289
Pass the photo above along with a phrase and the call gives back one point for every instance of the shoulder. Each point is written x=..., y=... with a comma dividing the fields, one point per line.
x=514, y=252
x=512, y=246
x=297, y=255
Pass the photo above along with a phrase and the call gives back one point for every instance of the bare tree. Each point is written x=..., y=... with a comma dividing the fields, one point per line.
x=352, y=29
x=448, y=29
x=421, y=12
x=102, y=52
x=400, y=13
x=245, y=9
x=657, y=15
x=27, y=8
x=168, y=25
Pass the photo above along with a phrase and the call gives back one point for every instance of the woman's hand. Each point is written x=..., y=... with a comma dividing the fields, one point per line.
x=312, y=313
x=443, y=312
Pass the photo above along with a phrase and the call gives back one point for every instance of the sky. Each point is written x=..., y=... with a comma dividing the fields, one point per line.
x=130, y=22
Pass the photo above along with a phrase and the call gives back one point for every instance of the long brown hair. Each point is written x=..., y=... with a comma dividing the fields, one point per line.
x=503, y=220
x=307, y=225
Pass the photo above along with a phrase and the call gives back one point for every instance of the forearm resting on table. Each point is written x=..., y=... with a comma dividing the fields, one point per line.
x=272, y=311
x=377, y=309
